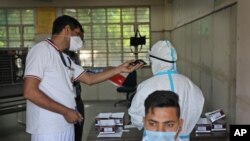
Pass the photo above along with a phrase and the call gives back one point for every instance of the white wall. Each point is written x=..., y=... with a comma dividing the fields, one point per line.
x=243, y=67
x=157, y=23
x=185, y=11
x=206, y=50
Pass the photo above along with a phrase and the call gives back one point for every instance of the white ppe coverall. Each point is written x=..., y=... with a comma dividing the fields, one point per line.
x=163, y=58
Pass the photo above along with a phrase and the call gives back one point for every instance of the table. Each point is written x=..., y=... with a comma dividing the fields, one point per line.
x=217, y=136
x=135, y=135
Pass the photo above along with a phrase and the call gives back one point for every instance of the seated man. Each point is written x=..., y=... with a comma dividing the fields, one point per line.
x=163, y=59
x=162, y=120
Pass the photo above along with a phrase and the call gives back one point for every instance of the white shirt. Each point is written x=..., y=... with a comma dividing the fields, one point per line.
x=44, y=63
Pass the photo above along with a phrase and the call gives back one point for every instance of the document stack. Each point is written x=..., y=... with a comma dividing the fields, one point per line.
x=219, y=126
x=217, y=119
x=118, y=118
x=109, y=123
x=214, y=122
x=203, y=126
x=215, y=115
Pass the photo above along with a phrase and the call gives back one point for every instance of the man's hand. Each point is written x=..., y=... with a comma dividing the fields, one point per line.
x=109, y=72
x=127, y=67
x=72, y=116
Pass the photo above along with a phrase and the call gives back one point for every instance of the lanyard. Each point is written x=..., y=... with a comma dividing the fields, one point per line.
x=169, y=73
x=63, y=60
x=61, y=54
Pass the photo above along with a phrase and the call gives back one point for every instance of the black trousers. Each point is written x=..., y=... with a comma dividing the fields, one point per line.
x=79, y=127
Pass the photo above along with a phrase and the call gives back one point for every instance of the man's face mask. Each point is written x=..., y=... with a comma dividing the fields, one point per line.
x=158, y=136
x=75, y=43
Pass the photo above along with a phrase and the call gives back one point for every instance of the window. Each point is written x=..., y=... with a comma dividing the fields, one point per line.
x=17, y=28
x=107, y=33
x=17, y=31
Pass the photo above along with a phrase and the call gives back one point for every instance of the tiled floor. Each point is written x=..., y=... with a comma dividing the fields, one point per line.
x=12, y=130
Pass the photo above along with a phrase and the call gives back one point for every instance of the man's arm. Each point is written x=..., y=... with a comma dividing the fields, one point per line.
x=36, y=96
x=91, y=79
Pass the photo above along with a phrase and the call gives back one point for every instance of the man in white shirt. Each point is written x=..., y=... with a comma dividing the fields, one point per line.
x=48, y=83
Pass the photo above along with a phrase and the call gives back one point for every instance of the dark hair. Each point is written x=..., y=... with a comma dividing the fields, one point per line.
x=162, y=99
x=64, y=20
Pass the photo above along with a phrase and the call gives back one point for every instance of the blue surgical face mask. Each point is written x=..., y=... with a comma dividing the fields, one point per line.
x=158, y=136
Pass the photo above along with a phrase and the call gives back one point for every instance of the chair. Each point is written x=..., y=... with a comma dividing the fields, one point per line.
x=129, y=87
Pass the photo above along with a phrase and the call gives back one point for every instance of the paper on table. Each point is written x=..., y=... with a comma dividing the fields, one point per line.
x=107, y=122
x=115, y=135
x=215, y=115
x=117, y=115
x=104, y=115
x=203, y=121
x=129, y=126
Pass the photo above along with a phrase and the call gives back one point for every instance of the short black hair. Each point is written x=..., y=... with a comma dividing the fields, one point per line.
x=162, y=98
x=64, y=20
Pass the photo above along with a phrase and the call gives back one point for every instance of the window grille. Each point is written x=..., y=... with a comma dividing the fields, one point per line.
x=107, y=33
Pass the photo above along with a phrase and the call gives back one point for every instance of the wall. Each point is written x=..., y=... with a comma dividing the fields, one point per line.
x=205, y=40
x=186, y=11
x=243, y=67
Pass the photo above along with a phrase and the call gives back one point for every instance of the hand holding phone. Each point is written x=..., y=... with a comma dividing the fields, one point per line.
x=138, y=61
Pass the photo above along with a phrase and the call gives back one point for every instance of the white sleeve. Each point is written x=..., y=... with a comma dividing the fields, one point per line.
x=36, y=62
x=78, y=70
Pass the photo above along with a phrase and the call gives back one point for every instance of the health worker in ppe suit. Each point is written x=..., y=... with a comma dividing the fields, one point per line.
x=166, y=77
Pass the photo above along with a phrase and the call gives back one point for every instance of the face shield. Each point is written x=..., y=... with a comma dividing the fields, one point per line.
x=163, y=56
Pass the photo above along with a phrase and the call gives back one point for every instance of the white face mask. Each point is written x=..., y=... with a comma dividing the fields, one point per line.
x=75, y=43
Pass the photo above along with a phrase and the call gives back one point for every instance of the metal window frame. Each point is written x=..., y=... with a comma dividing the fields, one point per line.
x=21, y=27
x=91, y=24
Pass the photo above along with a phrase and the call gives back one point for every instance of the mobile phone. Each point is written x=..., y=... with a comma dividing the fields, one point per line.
x=137, y=62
